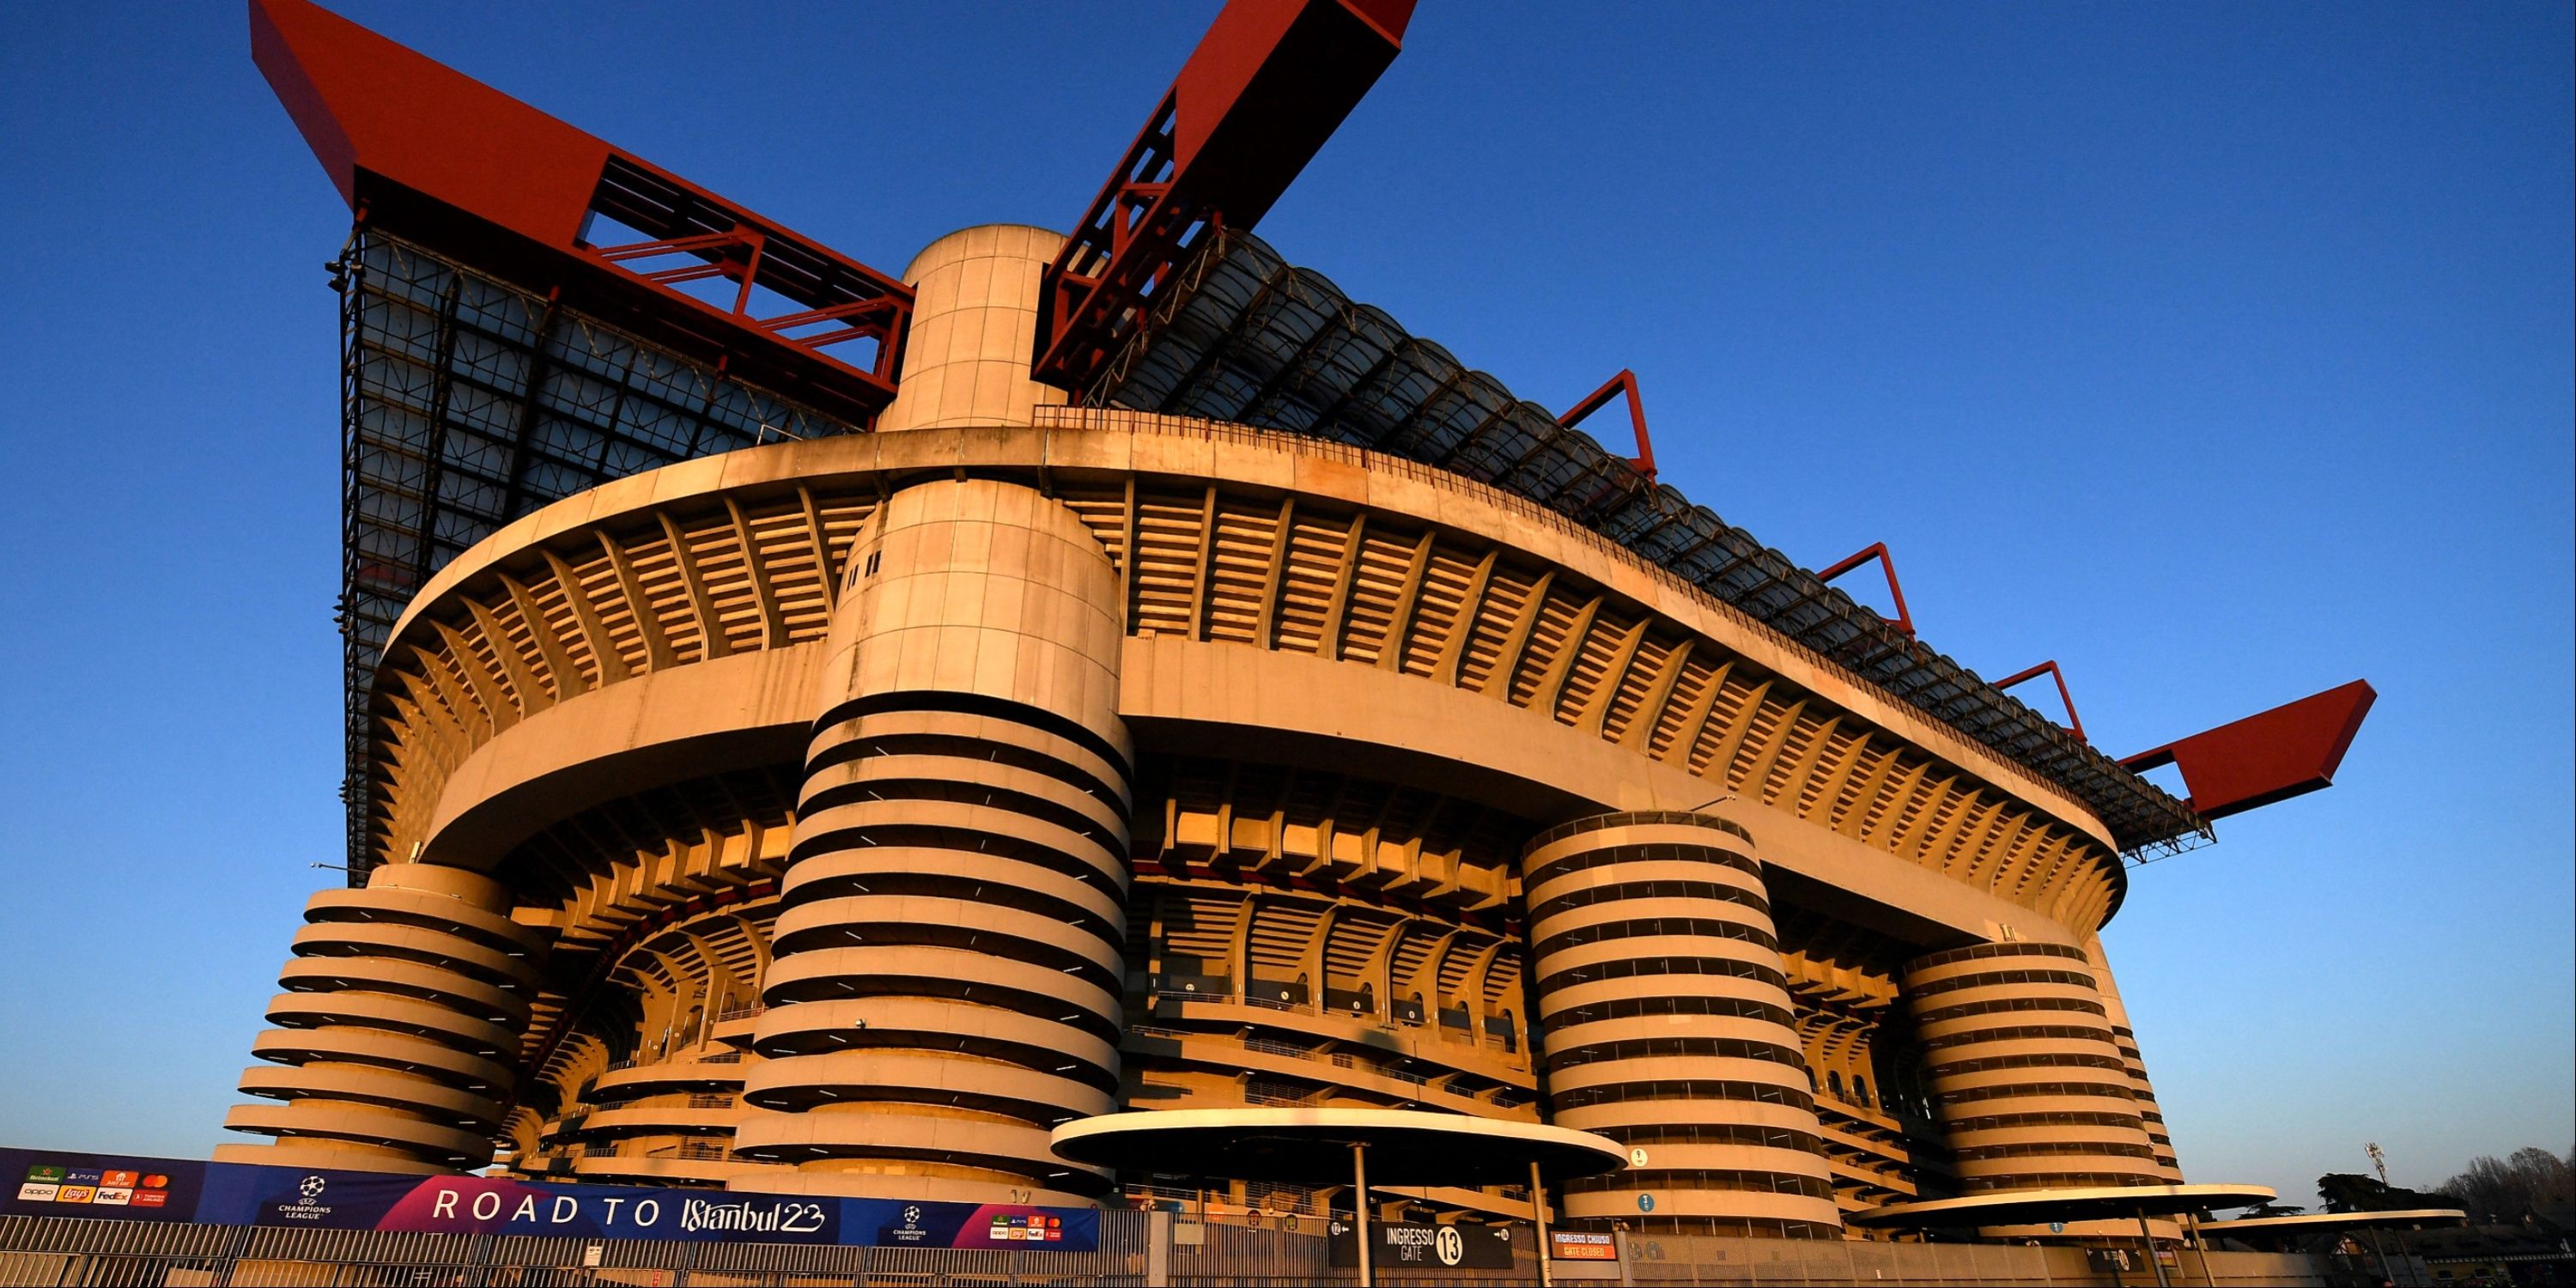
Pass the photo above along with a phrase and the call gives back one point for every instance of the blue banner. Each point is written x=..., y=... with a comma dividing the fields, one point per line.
x=108, y=1186
x=45, y=1183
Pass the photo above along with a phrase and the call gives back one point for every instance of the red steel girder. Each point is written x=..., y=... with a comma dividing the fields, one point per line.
x=2290, y=750
x=1267, y=85
x=426, y=153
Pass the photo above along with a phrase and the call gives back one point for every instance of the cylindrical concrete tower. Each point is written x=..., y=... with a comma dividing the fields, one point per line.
x=2025, y=1074
x=946, y=982
x=398, y=1029
x=974, y=330
x=1657, y=978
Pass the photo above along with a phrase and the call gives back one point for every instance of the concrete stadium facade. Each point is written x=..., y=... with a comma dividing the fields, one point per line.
x=842, y=815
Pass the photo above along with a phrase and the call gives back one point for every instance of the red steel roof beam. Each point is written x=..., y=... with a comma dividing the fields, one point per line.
x=2268, y=757
x=1267, y=85
x=431, y=155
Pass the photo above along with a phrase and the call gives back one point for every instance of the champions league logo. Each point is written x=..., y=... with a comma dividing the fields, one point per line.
x=307, y=1205
x=910, y=1233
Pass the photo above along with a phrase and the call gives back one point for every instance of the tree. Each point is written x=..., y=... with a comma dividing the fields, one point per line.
x=2347, y=1192
x=2262, y=1210
x=2502, y=1189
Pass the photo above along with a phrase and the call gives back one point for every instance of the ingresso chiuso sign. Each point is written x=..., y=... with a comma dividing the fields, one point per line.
x=46, y=1183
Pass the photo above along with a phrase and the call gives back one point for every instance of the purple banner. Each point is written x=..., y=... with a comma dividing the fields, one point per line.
x=339, y=1200
x=112, y=1187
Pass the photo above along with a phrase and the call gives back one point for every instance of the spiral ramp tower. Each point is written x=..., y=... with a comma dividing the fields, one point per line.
x=1667, y=1022
x=2149, y=1111
x=392, y=1047
x=948, y=967
x=2025, y=1071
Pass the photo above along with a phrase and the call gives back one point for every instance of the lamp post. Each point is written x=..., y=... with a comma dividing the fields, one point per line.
x=1538, y=1220
x=2147, y=1235
x=1359, y=1210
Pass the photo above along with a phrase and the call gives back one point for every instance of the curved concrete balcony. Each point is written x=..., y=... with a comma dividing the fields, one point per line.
x=1426, y=1044
x=678, y=1075
x=658, y=1120
x=1339, y=1071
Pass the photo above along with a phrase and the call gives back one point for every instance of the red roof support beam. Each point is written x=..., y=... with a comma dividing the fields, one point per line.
x=1903, y=621
x=2290, y=750
x=2073, y=721
x=1267, y=85
x=430, y=155
x=1626, y=382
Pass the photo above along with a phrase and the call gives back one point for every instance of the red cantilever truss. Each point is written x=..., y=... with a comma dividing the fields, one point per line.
x=2288, y=751
x=428, y=154
x=1904, y=619
x=1267, y=85
x=1624, y=382
x=2074, y=722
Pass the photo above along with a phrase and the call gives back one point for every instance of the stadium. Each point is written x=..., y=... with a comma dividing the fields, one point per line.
x=828, y=732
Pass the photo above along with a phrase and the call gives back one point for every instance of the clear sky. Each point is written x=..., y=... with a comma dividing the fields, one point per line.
x=2219, y=352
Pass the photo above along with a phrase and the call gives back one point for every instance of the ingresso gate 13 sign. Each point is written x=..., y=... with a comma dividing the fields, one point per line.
x=1401, y=1244
x=45, y=1183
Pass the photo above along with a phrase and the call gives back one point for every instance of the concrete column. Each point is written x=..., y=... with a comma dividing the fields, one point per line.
x=948, y=964
x=398, y=1029
x=1657, y=979
x=2025, y=1074
x=974, y=331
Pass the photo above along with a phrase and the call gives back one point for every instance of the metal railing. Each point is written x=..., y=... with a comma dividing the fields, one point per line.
x=1144, y=1249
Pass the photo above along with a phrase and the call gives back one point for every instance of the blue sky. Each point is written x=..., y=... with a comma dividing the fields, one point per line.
x=2219, y=352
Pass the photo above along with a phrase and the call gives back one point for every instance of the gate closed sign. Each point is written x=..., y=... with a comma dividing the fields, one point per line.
x=1578, y=1245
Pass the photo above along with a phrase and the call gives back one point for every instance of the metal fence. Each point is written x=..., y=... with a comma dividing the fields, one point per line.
x=1149, y=1250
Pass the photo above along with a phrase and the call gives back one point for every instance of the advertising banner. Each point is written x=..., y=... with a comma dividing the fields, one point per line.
x=335, y=1200
x=111, y=1187
x=892, y=1223
x=108, y=1186
x=1415, y=1246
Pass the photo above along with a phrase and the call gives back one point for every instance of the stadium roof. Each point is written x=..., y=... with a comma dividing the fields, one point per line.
x=471, y=402
x=1239, y=335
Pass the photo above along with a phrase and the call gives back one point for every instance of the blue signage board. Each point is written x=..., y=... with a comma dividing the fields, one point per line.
x=111, y=1187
